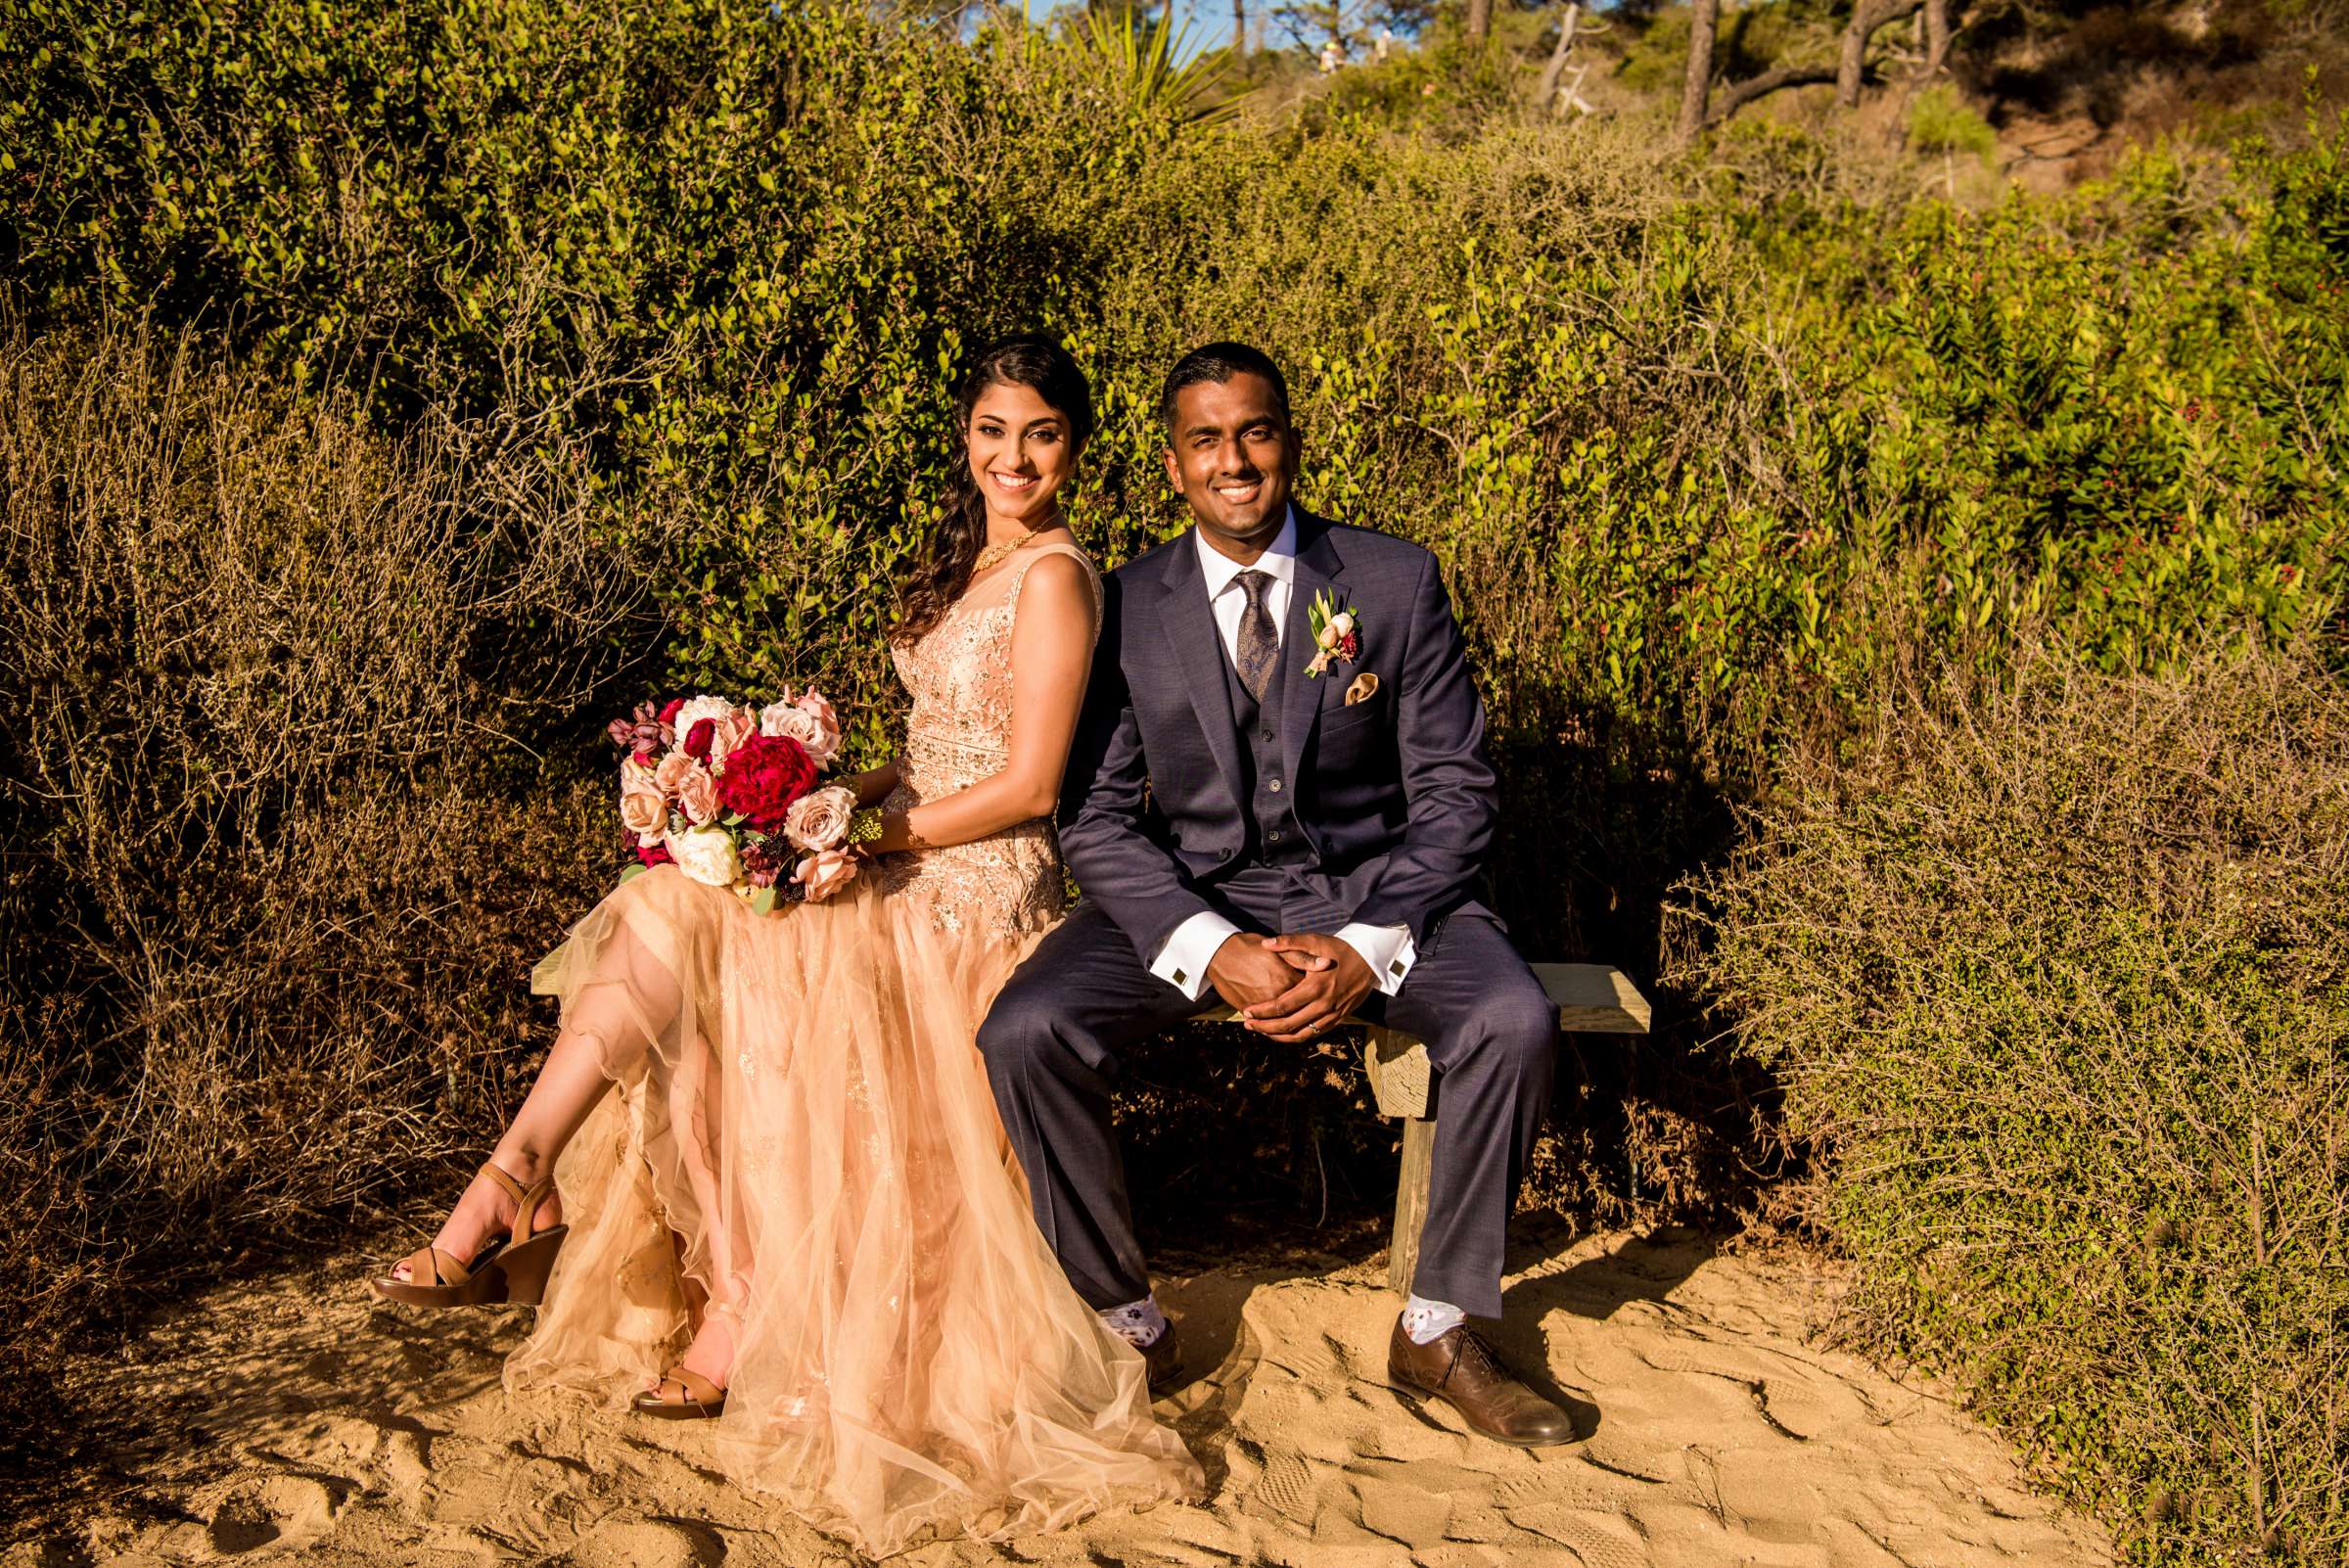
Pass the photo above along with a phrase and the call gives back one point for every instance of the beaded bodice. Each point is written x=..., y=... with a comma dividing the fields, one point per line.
x=959, y=732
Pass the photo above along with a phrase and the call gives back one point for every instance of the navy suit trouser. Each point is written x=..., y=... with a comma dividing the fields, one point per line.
x=1053, y=1042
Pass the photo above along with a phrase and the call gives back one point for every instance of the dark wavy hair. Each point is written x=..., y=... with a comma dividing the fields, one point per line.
x=1027, y=359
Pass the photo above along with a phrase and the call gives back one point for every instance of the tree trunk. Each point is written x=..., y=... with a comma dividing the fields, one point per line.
x=1239, y=27
x=1867, y=15
x=1480, y=20
x=1937, y=38
x=1706, y=18
x=1548, y=94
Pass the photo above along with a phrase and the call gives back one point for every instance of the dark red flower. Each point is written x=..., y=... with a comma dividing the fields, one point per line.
x=763, y=775
x=653, y=854
x=700, y=738
x=669, y=712
x=765, y=860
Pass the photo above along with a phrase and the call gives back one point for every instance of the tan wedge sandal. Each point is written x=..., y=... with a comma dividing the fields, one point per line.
x=697, y=1398
x=510, y=1268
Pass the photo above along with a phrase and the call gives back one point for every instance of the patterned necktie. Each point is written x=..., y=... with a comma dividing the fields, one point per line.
x=1260, y=641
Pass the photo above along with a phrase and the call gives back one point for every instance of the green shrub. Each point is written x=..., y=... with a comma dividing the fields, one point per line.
x=2057, y=974
x=1940, y=120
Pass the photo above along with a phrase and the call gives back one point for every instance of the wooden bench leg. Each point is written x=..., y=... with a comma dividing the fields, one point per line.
x=1410, y=1201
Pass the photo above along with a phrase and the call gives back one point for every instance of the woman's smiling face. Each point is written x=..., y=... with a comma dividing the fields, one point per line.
x=1021, y=452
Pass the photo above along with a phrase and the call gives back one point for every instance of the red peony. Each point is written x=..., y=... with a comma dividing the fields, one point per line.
x=653, y=854
x=700, y=739
x=763, y=776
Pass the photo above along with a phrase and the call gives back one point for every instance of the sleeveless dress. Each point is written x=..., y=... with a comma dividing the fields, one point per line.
x=810, y=1141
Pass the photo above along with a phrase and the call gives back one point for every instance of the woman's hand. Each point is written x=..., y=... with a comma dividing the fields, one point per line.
x=876, y=785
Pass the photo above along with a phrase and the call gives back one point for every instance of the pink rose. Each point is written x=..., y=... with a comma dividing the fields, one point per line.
x=816, y=731
x=697, y=796
x=819, y=707
x=819, y=819
x=735, y=728
x=825, y=873
x=643, y=804
x=670, y=777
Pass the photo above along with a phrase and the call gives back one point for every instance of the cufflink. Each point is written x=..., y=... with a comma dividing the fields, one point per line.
x=1395, y=968
x=1182, y=979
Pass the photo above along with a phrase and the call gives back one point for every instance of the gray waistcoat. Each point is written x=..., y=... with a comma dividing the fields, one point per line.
x=1271, y=823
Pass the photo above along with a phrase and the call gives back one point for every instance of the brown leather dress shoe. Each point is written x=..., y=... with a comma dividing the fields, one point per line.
x=1459, y=1368
x=1164, y=1358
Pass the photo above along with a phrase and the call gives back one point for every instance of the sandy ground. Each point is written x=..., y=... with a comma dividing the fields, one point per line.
x=299, y=1418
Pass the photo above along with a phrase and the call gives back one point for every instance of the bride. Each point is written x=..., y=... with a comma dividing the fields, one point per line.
x=803, y=1171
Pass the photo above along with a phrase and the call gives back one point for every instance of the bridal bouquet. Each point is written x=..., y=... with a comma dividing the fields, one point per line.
x=733, y=795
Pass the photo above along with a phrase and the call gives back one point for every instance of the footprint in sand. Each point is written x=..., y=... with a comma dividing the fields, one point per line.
x=276, y=1511
x=1288, y=1487
x=647, y=1543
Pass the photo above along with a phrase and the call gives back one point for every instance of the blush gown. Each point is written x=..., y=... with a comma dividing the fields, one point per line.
x=803, y=1130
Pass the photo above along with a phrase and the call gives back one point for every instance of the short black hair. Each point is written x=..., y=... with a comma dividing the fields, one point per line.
x=1219, y=363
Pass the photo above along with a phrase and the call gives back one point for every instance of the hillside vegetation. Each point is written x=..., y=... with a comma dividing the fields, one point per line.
x=394, y=392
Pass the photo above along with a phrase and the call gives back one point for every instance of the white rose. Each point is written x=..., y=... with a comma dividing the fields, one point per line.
x=705, y=855
x=1342, y=622
x=712, y=708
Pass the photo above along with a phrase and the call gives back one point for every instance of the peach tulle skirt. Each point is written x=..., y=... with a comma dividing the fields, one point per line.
x=808, y=1138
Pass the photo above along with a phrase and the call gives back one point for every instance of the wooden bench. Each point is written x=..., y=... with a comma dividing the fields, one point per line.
x=1591, y=999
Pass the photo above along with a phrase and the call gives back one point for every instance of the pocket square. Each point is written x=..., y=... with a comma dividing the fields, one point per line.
x=1364, y=687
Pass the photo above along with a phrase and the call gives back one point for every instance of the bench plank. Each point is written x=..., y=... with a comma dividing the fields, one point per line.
x=1594, y=999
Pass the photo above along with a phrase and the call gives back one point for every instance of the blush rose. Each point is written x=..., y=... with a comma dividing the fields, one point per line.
x=819, y=819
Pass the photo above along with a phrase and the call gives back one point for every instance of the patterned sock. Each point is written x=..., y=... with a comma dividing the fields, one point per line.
x=1425, y=1320
x=1138, y=1322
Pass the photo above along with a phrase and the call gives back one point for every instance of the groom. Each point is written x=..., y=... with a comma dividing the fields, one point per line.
x=1305, y=844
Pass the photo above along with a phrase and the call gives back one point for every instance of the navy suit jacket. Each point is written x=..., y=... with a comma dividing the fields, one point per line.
x=1395, y=795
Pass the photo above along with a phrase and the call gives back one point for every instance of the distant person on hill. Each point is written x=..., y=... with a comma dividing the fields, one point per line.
x=1279, y=792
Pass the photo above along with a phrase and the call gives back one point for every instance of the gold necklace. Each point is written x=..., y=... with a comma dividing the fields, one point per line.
x=995, y=553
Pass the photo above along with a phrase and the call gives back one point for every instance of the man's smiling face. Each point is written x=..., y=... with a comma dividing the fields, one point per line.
x=1234, y=459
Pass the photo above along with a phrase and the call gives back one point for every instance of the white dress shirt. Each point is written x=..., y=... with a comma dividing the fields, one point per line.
x=1182, y=960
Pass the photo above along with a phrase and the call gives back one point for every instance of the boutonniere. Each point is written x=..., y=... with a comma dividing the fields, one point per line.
x=1337, y=635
